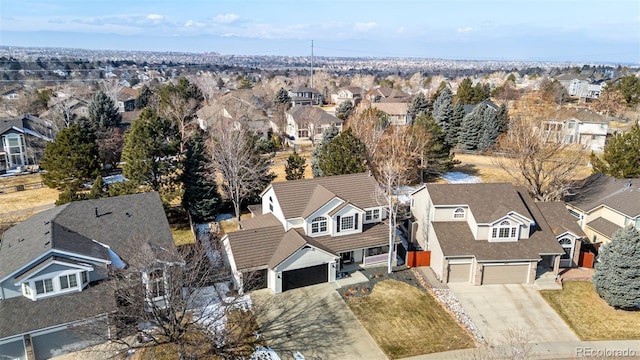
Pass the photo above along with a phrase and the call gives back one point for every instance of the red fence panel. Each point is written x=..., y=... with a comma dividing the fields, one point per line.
x=418, y=258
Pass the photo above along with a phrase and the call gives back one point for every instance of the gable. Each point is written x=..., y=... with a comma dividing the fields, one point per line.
x=307, y=255
x=53, y=265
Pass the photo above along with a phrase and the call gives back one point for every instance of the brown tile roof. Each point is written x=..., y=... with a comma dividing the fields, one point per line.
x=319, y=197
x=392, y=108
x=312, y=115
x=487, y=201
x=622, y=195
x=253, y=248
x=295, y=197
x=371, y=235
x=603, y=226
x=290, y=243
x=260, y=221
x=559, y=218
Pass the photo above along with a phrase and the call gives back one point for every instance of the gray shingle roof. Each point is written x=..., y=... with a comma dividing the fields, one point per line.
x=487, y=201
x=559, y=218
x=603, y=226
x=312, y=115
x=622, y=195
x=73, y=227
x=295, y=197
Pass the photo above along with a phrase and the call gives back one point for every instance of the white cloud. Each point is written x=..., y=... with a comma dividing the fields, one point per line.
x=155, y=17
x=226, y=18
x=465, y=30
x=365, y=26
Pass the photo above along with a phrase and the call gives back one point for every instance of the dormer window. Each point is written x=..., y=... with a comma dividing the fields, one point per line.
x=319, y=225
x=505, y=230
x=458, y=213
x=44, y=286
x=372, y=215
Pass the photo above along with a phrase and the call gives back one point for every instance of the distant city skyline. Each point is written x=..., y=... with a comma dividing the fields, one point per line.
x=529, y=30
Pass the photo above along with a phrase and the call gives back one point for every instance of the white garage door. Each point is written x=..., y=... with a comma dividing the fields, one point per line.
x=459, y=272
x=505, y=274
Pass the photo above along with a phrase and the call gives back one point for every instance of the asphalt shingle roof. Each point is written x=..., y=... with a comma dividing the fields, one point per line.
x=603, y=226
x=622, y=195
x=559, y=218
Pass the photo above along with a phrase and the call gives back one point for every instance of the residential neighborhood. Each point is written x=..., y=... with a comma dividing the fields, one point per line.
x=242, y=209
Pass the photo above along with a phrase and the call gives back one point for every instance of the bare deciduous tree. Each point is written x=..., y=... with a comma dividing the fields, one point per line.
x=243, y=170
x=538, y=156
x=181, y=111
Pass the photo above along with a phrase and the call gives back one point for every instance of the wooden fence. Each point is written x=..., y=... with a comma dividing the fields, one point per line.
x=418, y=258
x=21, y=187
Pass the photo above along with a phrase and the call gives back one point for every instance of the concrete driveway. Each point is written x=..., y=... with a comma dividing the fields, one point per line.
x=315, y=321
x=495, y=309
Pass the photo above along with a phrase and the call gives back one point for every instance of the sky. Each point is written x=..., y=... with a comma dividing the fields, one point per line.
x=522, y=30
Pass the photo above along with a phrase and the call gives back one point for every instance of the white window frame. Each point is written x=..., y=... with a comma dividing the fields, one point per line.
x=372, y=215
x=318, y=224
x=68, y=279
x=44, y=287
x=505, y=230
x=348, y=219
x=154, y=290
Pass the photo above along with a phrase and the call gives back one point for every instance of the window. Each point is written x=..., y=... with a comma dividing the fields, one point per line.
x=346, y=223
x=44, y=286
x=26, y=289
x=572, y=125
x=504, y=231
x=156, y=284
x=319, y=225
x=575, y=213
x=372, y=214
x=458, y=213
x=85, y=277
x=68, y=281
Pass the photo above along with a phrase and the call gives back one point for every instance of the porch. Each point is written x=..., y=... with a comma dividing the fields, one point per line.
x=351, y=261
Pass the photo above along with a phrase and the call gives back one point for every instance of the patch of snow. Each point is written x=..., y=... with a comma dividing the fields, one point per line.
x=402, y=193
x=221, y=217
x=265, y=353
x=114, y=178
x=456, y=177
x=214, y=315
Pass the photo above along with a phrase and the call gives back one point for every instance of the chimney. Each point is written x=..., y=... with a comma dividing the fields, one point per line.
x=96, y=209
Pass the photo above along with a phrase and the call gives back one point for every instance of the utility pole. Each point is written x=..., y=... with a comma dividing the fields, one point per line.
x=312, y=64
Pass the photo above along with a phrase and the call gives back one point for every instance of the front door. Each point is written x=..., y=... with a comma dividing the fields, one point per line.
x=567, y=246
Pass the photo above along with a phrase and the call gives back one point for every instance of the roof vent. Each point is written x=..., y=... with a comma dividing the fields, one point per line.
x=96, y=209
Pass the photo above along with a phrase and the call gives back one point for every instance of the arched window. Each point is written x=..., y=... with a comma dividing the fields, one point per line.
x=505, y=230
x=319, y=225
x=458, y=213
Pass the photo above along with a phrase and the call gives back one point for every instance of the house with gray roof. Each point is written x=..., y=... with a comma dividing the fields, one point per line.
x=22, y=140
x=308, y=231
x=308, y=123
x=55, y=267
x=491, y=233
x=602, y=205
x=303, y=95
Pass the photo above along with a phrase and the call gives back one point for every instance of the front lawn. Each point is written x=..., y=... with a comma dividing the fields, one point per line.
x=405, y=321
x=590, y=316
x=182, y=235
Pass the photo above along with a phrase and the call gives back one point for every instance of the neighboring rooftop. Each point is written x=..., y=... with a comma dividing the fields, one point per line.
x=622, y=195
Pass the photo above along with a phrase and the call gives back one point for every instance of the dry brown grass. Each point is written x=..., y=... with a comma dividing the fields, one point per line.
x=395, y=310
x=20, y=180
x=24, y=200
x=589, y=315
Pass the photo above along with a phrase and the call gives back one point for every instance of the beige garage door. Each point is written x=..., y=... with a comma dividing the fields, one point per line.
x=505, y=274
x=459, y=272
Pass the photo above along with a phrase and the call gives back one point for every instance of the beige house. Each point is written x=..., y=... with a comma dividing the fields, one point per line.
x=308, y=123
x=307, y=232
x=491, y=233
x=397, y=111
x=353, y=94
x=603, y=204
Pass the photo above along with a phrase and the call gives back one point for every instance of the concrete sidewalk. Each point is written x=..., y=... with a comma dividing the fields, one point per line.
x=618, y=349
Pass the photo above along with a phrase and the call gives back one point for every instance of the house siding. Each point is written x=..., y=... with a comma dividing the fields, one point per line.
x=420, y=210
x=273, y=203
x=9, y=290
x=437, y=257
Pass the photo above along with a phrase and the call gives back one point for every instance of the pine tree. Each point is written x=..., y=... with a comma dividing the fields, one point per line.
x=344, y=110
x=200, y=198
x=455, y=125
x=443, y=110
x=503, y=118
x=144, y=97
x=327, y=136
x=437, y=155
x=103, y=112
x=621, y=156
x=490, y=130
x=148, y=151
x=97, y=189
x=71, y=160
x=472, y=129
x=295, y=167
x=282, y=98
x=344, y=154
x=419, y=105
x=617, y=273
x=465, y=91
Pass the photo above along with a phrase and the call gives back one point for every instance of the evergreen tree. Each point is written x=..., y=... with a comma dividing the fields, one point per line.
x=295, y=167
x=443, y=110
x=220, y=83
x=436, y=154
x=148, y=151
x=472, y=129
x=200, y=198
x=97, y=189
x=245, y=83
x=621, y=156
x=455, y=125
x=465, y=91
x=344, y=154
x=503, y=118
x=327, y=136
x=419, y=105
x=490, y=130
x=344, y=110
x=144, y=97
x=71, y=160
x=103, y=112
x=617, y=273
x=282, y=98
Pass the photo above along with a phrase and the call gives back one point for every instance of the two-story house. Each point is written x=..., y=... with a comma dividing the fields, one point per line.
x=352, y=94
x=306, y=231
x=397, y=112
x=308, y=123
x=491, y=233
x=23, y=140
x=579, y=126
x=305, y=96
x=602, y=204
x=55, y=271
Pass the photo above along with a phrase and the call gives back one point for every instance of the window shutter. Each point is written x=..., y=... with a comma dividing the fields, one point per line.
x=355, y=222
x=337, y=223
